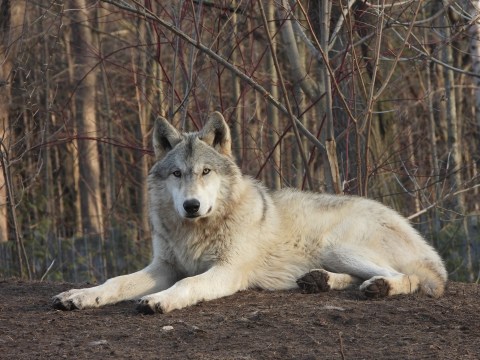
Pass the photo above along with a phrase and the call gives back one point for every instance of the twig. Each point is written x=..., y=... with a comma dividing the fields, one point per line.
x=400, y=51
x=342, y=352
x=46, y=272
x=423, y=211
x=266, y=95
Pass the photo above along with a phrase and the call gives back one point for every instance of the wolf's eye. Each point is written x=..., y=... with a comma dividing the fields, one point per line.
x=177, y=173
x=206, y=171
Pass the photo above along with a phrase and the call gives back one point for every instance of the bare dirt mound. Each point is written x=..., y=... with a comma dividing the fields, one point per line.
x=248, y=325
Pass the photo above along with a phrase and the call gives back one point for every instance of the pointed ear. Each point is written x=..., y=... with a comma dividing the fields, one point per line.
x=216, y=133
x=165, y=137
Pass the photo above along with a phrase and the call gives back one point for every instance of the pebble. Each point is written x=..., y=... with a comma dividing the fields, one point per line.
x=99, y=342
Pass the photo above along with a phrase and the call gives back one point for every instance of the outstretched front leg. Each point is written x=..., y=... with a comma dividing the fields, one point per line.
x=219, y=281
x=155, y=277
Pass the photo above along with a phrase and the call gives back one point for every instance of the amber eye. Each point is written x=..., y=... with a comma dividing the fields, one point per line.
x=206, y=171
x=177, y=173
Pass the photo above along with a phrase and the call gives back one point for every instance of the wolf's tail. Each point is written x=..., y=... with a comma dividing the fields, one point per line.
x=432, y=275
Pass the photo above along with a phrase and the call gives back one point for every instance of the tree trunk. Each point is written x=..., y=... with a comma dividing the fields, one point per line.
x=236, y=117
x=5, y=100
x=454, y=145
x=86, y=118
x=475, y=54
x=11, y=28
x=272, y=111
x=144, y=114
x=333, y=178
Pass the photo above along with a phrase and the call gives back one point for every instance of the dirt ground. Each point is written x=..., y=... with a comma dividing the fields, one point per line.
x=248, y=325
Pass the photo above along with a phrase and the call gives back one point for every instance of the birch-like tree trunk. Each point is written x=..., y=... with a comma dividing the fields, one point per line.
x=475, y=55
x=474, y=32
x=453, y=124
x=5, y=99
x=333, y=178
x=11, y=28
x=144, y=113
x=272, y=111
x=298, y=74
x=73, y=167
x=86, y=117
x=236, y=92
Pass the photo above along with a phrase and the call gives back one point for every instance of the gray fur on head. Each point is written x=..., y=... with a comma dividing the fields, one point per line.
x=215, y=133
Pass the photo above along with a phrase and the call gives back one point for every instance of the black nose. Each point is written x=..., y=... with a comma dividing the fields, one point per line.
x=191, y=206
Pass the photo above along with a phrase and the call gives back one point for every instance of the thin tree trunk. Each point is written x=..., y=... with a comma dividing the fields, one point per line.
x=5, y=99
x=86, y=116
x=454, y=145
x=333, y=178
x=434, y=153
x=272, y=111
x=144, y=113
x=73, y=166
x=299, y=77
x=475, y=54
x=108, y=239
x=236, y=92
x=11, y=28
x=49, y=187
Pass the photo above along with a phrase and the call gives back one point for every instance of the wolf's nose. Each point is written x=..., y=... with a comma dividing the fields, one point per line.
x=191, y=206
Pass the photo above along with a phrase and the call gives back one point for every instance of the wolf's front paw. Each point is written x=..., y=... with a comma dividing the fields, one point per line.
x=59, y=303
x=148, y=306
x=74, y=299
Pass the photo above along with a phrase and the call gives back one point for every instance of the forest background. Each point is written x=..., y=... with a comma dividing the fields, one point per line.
x=378, y=99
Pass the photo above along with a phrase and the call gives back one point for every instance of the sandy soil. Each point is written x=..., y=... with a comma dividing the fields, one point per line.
x=248, y=325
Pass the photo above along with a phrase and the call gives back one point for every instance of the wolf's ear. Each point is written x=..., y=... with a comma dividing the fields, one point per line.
x=216, y=133
x=165, y=137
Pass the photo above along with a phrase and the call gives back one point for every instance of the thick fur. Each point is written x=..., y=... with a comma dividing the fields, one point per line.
x=216, y=232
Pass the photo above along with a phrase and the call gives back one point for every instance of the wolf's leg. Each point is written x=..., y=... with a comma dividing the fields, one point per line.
x=380, y=286
x=380, y=280
x=219, y=281
x=155, y=277
x=320, y=280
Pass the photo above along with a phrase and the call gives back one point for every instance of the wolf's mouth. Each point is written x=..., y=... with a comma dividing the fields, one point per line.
x=194, y=216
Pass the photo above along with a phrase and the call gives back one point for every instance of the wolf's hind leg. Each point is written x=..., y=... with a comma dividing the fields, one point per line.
x=320, y=280
x=381, y=286
x=380, y=280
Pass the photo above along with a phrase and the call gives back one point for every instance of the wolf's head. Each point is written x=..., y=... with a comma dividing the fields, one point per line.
x=193, y=167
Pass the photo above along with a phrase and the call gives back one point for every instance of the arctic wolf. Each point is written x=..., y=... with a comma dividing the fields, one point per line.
x=216, y=232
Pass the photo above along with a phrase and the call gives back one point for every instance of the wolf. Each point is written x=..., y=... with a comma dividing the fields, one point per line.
x=216, y=232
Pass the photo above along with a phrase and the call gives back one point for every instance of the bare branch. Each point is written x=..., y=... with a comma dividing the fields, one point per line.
x=151, y=16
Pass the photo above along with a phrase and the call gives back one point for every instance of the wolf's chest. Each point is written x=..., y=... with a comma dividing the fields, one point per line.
x=195, y=255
